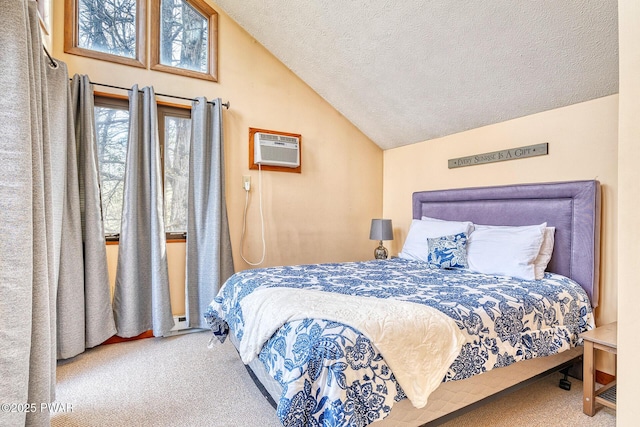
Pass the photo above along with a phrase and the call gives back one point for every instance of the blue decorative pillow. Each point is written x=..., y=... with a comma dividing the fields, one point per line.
x=448, y=251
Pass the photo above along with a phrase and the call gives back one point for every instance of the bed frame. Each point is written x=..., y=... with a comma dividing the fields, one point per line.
x=574, y=209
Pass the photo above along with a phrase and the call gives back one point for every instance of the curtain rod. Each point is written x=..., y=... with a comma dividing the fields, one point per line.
x=54, y=64
x=224, y=104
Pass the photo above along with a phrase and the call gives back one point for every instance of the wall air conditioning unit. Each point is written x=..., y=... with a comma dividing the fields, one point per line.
x=276, y=150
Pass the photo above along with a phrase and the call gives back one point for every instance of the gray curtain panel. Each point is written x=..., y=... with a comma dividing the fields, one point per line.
x=99, y=322
x=70, y=280
x=209, y=260
x=85, y=314
x=141, y=300
x=29, y=227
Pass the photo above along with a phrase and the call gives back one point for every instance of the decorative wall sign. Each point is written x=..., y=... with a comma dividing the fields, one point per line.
x=500, y=156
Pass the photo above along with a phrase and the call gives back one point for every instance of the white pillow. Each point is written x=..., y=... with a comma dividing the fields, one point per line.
x=505, y=250
x=546, y=250
x=416, y=247
x=468, y=224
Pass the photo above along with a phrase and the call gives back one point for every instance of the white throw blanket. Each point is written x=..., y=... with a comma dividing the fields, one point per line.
x=418, y=342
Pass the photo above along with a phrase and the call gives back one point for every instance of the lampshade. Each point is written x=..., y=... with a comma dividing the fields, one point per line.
x=381, y=229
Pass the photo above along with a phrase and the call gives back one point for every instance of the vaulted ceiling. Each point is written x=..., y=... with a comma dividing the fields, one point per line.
x=409, y=71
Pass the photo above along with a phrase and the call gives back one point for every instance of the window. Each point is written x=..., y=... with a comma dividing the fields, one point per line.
x=112, y=131
x=175, y=133
x=183, y=35
x=111, y=30
x=183, y=38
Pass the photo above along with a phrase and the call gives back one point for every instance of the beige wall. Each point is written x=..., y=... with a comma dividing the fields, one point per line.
x=582, y=145
x=628, y=208
x=320, y=215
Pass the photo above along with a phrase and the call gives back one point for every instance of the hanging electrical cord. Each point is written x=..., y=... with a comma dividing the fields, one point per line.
x=244, y=220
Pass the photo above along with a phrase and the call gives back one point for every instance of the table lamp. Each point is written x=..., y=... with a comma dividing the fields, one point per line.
x=381, y=229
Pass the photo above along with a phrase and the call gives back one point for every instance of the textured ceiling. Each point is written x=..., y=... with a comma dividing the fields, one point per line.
x=409, y=71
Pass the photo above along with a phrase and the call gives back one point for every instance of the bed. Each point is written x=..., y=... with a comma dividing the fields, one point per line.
x=326, y=363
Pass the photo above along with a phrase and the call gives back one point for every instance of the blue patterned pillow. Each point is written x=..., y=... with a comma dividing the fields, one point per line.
x=448, y=251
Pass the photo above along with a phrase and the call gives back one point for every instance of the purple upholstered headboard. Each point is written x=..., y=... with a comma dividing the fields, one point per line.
x=572, y=207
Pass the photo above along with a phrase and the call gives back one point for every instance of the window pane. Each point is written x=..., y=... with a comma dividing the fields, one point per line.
x=177, y=135
x=183, y=36
x=108, y=26
x=112, y=130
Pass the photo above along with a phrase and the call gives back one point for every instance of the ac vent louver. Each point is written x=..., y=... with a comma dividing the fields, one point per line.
x=276, y=150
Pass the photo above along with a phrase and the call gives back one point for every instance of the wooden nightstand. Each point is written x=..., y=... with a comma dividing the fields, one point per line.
x=601, y=338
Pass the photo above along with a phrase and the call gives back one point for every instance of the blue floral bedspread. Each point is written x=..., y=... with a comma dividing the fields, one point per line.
x=332, y=375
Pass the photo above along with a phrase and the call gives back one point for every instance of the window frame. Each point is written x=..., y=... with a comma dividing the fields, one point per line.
x=104, y=99
x=120, y=102
x=71, y=36
x=206, y=10
x=172, y=110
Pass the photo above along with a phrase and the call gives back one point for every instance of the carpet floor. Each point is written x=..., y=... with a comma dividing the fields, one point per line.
x=179, y=381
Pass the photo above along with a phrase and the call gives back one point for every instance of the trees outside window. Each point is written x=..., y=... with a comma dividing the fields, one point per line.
x=111, y=30
x=118, y=37
x=183, y=38
x=175, y=134
x=112, y=132
x=183, y=34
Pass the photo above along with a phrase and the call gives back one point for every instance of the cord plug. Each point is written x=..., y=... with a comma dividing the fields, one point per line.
x=246, y=182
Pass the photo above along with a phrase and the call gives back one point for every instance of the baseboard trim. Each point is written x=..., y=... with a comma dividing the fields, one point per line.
x=116, y=339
